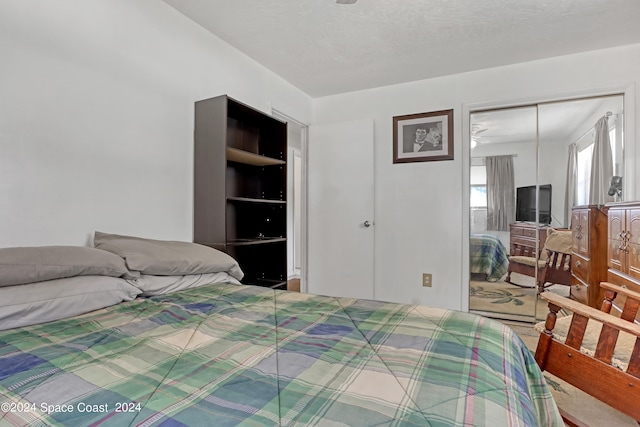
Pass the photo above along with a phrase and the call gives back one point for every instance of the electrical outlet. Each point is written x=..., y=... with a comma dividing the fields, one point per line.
x=426, y=280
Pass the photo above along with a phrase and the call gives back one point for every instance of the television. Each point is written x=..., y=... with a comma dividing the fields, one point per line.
x=526, y=204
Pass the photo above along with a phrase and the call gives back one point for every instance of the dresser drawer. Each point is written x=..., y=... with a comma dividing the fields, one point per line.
x=580, y=267
x=515, y=230
x=579, y=291
x=521, y=240
x=532, y=233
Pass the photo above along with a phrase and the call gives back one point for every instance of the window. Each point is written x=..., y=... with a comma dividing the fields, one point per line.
x=478, y=196
x=614, y=146
x=584, y=174
x=478, y=190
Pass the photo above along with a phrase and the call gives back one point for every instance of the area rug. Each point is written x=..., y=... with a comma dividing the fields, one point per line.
x=503, y=300
x=501, y=297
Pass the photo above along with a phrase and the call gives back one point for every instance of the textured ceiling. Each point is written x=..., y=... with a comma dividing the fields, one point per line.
x=324, y=48
x=558, y=121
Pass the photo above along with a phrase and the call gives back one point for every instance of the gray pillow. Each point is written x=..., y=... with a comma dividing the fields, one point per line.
x=167, y=258
x=35, y=264
x=23, y=305
x=159, y=285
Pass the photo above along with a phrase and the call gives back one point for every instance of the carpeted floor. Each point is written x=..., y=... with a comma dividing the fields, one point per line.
x=574, y=401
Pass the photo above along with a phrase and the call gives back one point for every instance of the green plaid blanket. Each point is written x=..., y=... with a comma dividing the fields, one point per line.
x=226, y=355
x=488, y=255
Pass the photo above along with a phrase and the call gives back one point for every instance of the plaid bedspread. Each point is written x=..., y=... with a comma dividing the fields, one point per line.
x=225, y=355
x=488, y=255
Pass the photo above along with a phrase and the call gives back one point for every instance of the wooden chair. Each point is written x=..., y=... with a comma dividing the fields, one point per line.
x=553, y=263
x=595, y=374
x=522, y=261
x=556, y=270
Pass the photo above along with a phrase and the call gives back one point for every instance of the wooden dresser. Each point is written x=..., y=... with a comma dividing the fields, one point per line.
x=623, y=250
x=588, y=263
x=524, y=236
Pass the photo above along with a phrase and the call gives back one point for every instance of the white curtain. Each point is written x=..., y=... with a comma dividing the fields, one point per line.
x=571, y=188
x=500, y=193
x=601, y=165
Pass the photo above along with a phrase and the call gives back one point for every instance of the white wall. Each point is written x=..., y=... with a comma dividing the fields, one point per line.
x=423, y=230
x=96, y=116
x=96, y=131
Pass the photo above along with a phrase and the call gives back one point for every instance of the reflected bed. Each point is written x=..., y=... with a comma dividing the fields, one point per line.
x=488, y=256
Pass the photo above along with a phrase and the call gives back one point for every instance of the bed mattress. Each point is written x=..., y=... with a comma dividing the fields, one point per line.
x=229, y=354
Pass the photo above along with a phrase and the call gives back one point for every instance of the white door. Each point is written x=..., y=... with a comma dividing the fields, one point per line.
x=340, y=209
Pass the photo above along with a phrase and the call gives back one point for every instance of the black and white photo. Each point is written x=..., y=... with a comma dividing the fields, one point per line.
x=423, y=137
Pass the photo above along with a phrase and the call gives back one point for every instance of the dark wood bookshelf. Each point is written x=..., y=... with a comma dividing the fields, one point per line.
x=240, y=187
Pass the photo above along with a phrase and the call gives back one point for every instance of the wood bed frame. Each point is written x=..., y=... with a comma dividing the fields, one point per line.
x=594, y=374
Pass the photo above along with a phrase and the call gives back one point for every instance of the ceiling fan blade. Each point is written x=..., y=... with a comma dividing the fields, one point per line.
x=346, y=1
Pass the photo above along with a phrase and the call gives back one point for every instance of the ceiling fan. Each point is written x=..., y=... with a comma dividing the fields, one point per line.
x=477, y=129
x=346, y=1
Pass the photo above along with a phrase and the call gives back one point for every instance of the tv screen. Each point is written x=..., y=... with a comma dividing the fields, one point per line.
x=526, y=204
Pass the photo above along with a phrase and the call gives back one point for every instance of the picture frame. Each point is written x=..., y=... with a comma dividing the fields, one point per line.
x=423, y=137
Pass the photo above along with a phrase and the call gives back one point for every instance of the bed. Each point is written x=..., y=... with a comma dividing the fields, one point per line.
x=230, y=354
x=488, y=256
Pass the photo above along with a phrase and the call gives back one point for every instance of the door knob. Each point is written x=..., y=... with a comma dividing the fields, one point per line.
x=367, y=224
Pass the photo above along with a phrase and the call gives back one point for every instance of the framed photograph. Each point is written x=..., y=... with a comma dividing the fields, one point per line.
x=423, y=137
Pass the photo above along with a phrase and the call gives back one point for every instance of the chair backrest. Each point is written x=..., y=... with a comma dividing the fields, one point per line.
x=593, y=373
x=557, y=258
x=519, y=249
x=557, y=268
x=558, y=240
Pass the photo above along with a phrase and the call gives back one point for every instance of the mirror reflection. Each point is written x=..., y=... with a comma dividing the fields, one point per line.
x=529, y=167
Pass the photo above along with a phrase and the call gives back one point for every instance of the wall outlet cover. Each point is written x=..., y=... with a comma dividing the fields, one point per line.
x=427, y=280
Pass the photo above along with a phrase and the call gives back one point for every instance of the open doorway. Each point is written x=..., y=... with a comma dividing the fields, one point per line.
x=297, y=134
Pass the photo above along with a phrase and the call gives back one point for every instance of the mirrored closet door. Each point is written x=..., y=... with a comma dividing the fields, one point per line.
x=529, y=166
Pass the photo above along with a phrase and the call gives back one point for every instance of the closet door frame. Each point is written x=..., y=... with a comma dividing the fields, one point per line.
x=630, y=152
